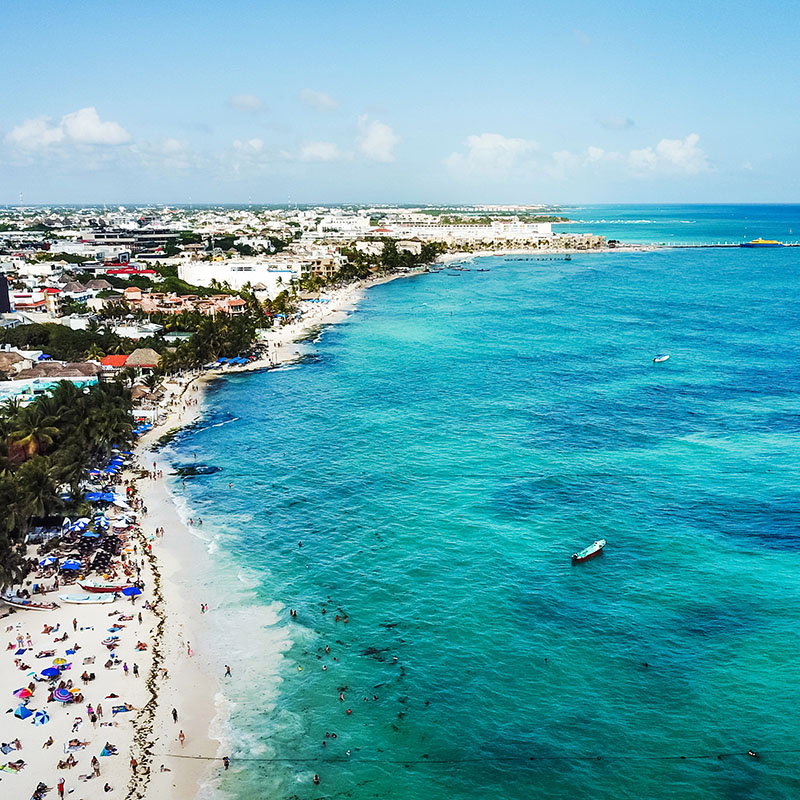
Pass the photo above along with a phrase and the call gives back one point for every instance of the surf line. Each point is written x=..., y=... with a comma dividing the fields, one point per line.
x=218, y=424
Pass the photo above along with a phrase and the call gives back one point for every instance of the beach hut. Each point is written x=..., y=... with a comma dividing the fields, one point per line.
x=143, y=359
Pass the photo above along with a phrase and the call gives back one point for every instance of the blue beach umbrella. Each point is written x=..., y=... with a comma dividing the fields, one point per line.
x=71, y=564
x=62, y=696
x=41, y=717
x=50, y=672
x=131, y=591
x=90, y=535
x=23, y=713
x=48, y=561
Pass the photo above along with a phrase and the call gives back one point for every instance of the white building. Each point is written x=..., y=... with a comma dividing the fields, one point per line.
x=274, y=275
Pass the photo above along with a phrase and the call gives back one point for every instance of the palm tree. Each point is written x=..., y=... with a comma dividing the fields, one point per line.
x=34, y=434
x=37, y=488
x=94, y=353
x=152, y=381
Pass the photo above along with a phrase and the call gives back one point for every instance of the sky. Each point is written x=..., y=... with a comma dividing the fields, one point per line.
x=575, y=101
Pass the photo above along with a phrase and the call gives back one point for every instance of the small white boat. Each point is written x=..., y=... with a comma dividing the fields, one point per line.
x=103, y=587
x=591, y=551
x=87, y=599
x=661, y=357
x=22, y=602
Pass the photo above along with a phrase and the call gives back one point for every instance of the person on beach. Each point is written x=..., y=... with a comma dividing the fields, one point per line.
x=61, y=787
x=228, y=672
x=175, y=715
x=182, y=738
x=226, y=762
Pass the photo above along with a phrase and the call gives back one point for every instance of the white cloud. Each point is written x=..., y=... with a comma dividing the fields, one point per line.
x=594, y=154
x=491, y=154
x=85, y=127
x=318, y=100
x=670, y=156
x=82, y=127
x=376, y=140
x=246, y=102
x=321, y=151
x=254, y=145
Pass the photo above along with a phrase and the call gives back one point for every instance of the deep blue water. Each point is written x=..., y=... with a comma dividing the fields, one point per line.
x=440, y=454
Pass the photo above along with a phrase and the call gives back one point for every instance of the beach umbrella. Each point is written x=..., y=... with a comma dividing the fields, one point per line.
x=22, y=694
x=59, y=661
x=50, y=672
x=62, y=696
x=131, y=591
x=41, y=717
x=71, y=565
x=22, y=712
x=90, y=535
x=47, y=561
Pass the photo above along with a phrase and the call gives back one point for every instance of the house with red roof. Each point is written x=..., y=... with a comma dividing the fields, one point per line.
x=112, y=364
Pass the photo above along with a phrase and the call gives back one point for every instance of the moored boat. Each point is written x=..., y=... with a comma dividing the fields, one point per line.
x=23, y=602
x=661, y=357
x=594, y=549
x=762, y=243
x=86, y=599
x=101, y=587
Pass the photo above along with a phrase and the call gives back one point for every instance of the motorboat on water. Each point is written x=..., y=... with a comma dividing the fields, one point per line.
x=23, y=602
x=594, y=549
x=102, y=587
x=762, y=243
x=661, y=357
x=86, y=599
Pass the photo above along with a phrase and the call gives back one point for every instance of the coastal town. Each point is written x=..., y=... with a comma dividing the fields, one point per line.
x=129, y=287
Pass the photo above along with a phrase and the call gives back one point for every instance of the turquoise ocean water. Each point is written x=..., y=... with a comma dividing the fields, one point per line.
x=440, y=455
x=685, y=224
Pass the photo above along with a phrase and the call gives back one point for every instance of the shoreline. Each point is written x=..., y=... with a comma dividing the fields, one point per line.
x=189, y=685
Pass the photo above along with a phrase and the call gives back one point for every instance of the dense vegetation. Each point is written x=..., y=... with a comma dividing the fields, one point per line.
x=360, y=265
x=64, y=344
x=46, y=449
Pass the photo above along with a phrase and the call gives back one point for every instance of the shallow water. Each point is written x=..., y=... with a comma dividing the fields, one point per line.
x=440, y=456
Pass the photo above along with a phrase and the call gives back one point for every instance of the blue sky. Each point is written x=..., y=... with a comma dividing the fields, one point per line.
x=449, y=102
